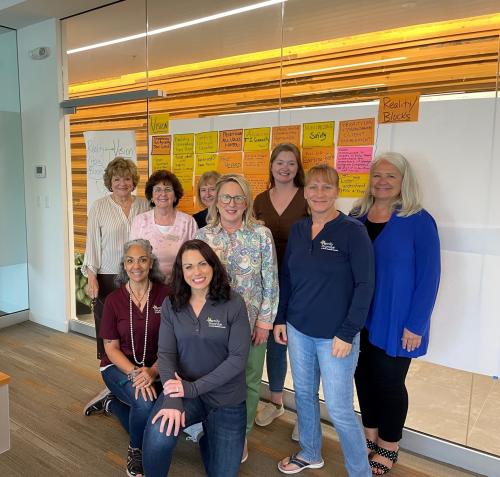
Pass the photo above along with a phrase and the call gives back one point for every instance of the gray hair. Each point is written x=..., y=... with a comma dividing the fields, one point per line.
x=155, y=274
x=408, y=202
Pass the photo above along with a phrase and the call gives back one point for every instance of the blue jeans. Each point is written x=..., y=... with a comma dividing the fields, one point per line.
x=131, y=412
x=311, y=358
x=221, y=445
x=276, y=364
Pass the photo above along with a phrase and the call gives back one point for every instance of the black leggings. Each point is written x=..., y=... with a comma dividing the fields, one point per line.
x=382, y=394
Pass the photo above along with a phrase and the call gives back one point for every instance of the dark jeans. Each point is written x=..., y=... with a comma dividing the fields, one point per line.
x=382, y=394
x=132, y=413
x=106, y=286
x=221, y=445
x=276, y=364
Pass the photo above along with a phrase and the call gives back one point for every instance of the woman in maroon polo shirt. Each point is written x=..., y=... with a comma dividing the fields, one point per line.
x=129, y=328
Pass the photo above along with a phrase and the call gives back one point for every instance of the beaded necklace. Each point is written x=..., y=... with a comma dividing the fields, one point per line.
x=140, y=363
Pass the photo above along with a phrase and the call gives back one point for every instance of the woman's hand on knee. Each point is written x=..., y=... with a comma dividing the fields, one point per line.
x=173, y=418
x=340, y=349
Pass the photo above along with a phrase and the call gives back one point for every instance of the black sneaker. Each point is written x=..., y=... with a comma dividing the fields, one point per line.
x=134, y=462
x=99, y=403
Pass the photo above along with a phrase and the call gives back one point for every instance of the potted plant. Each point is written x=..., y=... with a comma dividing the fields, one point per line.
x=83, y=301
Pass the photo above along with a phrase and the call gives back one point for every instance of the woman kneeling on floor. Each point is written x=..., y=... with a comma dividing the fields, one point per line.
x=202, y=354
x=129, y=328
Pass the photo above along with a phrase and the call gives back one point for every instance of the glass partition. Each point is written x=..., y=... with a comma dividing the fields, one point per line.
x=13, y=262
x=285, y=61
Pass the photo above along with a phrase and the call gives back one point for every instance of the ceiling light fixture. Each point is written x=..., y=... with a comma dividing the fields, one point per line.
x=351, y=88
x=350, y=65
x=177, y=26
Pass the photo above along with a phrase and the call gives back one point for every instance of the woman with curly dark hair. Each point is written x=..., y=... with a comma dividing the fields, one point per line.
x=202, y=354
x=164, y=226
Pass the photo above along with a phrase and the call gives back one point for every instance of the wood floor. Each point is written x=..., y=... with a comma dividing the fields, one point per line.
x=55, y=374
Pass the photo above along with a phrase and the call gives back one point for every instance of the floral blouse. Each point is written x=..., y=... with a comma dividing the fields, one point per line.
x=249, y=256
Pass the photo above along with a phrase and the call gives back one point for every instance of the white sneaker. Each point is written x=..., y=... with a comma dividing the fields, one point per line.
x=295, y=432
x=268, y=413
x=244, y=457
x=194, y=432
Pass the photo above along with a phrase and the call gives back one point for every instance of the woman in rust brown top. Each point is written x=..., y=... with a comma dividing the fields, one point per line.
x=279, y=207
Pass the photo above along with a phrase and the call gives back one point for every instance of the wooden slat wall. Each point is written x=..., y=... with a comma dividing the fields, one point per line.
x=463, y=58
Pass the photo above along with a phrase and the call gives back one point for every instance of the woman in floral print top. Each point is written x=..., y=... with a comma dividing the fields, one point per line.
x=247, y=250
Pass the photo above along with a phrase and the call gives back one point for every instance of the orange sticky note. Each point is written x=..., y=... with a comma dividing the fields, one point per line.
x=161, y=144
x=256, y=162
x=285, y=134
x=186, y=179
x=258, y=183
x=256, y=139
x=352, y=185
x=398, y=108
x=357, y=132
x=231, y=140
x=313, y=156
x=230, y=163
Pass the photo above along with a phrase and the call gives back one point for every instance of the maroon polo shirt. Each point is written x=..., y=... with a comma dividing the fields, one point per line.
x=115, y=324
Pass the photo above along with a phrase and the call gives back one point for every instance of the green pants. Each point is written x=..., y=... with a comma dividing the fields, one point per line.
x=255, y=365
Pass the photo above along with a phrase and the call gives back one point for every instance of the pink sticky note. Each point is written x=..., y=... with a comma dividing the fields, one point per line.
x=354, y=159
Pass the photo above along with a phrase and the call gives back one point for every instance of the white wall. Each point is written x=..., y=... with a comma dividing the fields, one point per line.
x=46, y=199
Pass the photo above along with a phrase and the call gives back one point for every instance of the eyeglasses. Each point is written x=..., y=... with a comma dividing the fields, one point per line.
x=159, y=189
x=238, y=199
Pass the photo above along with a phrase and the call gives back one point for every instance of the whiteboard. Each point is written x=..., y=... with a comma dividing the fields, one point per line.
x=455, y=150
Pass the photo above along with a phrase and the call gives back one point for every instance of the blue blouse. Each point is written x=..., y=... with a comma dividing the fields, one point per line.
x=407, y=272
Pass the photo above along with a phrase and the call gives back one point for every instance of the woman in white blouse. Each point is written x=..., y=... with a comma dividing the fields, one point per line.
x=108, y=228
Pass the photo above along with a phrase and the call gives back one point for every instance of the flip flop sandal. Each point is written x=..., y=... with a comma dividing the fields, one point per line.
x=371, y=445
x=391, y=455
x=301, y=465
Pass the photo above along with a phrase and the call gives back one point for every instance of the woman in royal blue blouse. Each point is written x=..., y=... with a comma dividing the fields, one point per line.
x=407, y=271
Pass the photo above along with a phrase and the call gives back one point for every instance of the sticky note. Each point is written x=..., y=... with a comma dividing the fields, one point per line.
x=160, y=162
x=352, y=185
x=258, y=182
x=398, y=108
x=318, y=134
x=205, y=163
x=158, y=123
x=231, y=140
x=256, y=162
x=256, y=139
x=285, y=134
x=161, y=144
x=186, y=179
x=317, y=155
x=183, y=162
x=357, y=132
x=206, y=142
x=183, y=143
x=230, y=163
x=354, y=159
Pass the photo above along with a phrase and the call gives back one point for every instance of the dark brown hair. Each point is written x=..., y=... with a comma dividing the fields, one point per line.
x=299, y=179
x=163, y=176
x=219, y=288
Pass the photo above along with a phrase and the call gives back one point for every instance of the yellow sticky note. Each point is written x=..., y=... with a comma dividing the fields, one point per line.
x=256, y=139
x=352, y=185
x=183, y=143
x=158, y=123
x=183, y=162
x=186, y=179
x=206, y=142
x=205, y=163
x=161, y=162
x=318, y=134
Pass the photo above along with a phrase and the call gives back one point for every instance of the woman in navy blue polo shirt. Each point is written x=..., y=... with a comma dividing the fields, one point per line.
x=326, y=289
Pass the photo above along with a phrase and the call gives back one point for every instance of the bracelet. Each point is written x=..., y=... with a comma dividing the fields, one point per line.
x=131, y=376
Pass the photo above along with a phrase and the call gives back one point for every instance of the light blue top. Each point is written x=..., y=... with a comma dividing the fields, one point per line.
x=407, y=272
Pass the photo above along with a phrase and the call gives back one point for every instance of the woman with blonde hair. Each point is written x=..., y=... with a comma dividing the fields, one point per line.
x=407, y=269
x=108, y=228
x=205, y=194
x=246, y=248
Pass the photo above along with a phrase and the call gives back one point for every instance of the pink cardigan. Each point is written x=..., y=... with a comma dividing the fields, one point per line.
x=165, y=245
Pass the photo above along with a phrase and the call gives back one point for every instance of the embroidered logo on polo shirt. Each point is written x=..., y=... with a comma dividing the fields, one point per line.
x=214, y=323
x=156, y=309
x=328, y=246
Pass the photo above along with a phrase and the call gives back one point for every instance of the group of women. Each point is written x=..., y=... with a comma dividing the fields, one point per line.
x=185, y=334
